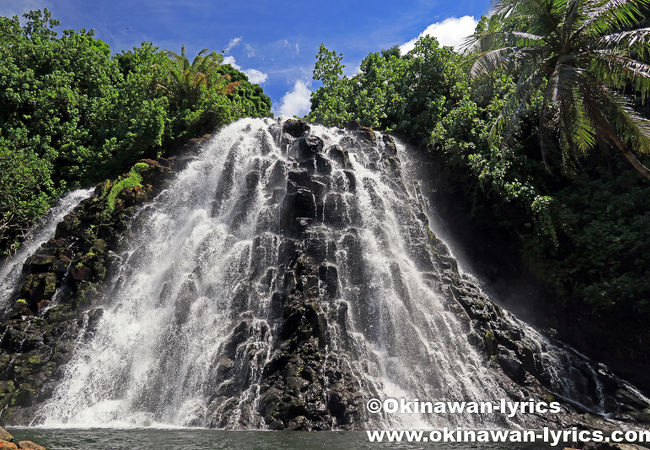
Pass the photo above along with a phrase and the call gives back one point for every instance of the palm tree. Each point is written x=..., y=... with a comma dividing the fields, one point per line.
x=583, y=55
x=186, y=80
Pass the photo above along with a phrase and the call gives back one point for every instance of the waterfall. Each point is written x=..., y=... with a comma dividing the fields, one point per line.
x=201, y=312
x=10, y=270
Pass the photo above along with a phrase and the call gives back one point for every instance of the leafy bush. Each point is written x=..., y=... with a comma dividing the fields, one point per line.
x=583, y=231
x=71, y=115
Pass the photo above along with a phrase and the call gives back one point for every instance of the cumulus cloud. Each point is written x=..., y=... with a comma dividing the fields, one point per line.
x=255, y=76
x=451, y=32
x=296, y=102
x=232, y=61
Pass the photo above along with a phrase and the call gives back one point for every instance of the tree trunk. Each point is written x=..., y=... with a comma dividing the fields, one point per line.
x=643, y=170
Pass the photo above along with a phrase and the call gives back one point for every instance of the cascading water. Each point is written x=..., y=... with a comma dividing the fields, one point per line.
x=11, y=269
x=280, y=279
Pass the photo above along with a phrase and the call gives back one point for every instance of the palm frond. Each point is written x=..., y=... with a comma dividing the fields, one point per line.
x=638, y=37
x=613, y=109
x=611, y=15
x=571, y=14
x=488, y=61
x=487, y=41
x=616, y=68
x=535, y=12
x=582, y=130
x=507, y=122
x=199, y=57
x=172, y=55
x=511, y=58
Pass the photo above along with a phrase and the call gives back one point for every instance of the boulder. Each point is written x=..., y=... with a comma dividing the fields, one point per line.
x=511, y=365
x=295, y=127
x=389, y=145
x=30, y=445
x=41, y=262
x=5, y=435
x=338, y=155
x=306, y=148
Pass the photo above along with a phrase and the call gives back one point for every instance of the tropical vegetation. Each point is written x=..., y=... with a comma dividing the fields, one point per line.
x=72, y=114
x=530, y=130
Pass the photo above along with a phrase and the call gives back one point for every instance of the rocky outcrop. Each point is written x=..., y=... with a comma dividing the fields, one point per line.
x=7, y=441
x=299, y=325
x=53, y=302
x=304, y=383
x=295, y=127
x=297, y=389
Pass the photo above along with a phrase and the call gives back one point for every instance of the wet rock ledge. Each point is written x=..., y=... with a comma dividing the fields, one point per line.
x=52, y=304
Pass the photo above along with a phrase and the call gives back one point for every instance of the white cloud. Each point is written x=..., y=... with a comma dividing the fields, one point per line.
x=250, y=51
x=255, y=76
x=234, y=42
x=232, y=61
x=296, y=102
x=451, y=31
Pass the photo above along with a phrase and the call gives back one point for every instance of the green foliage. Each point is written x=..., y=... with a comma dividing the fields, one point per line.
x=604, y=242
x=399, y=94
x=70, y=114
x=131, y=180
x=581, y=55
x=583, y=230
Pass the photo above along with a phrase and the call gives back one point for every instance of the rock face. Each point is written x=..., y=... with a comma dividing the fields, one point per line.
x=55, y=298
x=297, y=277
x=304, y=385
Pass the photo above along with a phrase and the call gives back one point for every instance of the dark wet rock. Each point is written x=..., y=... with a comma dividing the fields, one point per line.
x=37, y=337
x=389, y=145
x=298, y=210
x=312, y=273
x=225, y=181
x=329, y=277
x=352, y=244
x=296, y=128
x=339, y=155
x=306, y=148
x=511, y=365
x=362, y=131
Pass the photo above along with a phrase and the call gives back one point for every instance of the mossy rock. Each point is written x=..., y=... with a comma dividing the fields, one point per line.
x=131, y=180
x=100, y=246
x=7, y=387
x=490, y=342
x=24, y=397
x=58, y=313
x=34, y=361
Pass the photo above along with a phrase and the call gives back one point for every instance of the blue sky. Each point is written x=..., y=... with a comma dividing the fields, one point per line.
x=273, y=41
